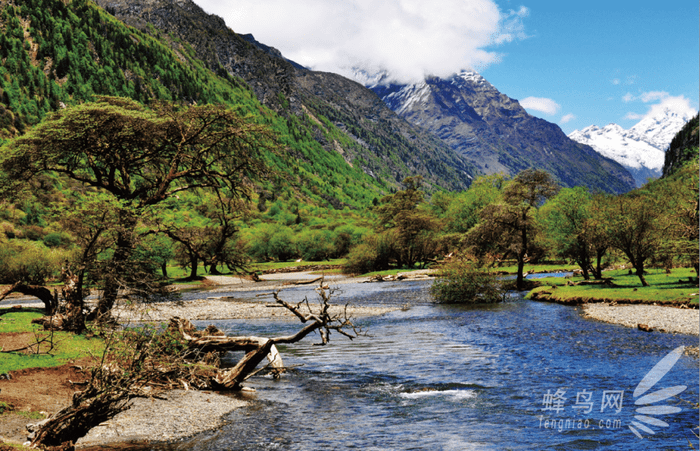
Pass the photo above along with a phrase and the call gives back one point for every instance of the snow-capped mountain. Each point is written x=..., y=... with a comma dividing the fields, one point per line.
x=496, y=134
x=640, y=149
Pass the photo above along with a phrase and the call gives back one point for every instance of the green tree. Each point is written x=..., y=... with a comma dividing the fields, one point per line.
x=508, y=227
x=572, y=229
x=404, y=216
x=140, y=156
x=635, y=226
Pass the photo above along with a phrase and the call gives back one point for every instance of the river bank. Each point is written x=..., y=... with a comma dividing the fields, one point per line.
x=203, y=410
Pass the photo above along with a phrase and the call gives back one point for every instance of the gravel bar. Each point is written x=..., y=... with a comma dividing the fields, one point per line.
x=182, y=414
x=663, y=319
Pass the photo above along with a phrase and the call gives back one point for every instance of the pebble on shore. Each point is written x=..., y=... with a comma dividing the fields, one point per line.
x=182, y=414
x=659, y=318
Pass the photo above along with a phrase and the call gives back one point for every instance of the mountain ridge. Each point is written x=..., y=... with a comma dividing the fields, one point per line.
x=383, y=144
x=496, y=133
x=641, y=148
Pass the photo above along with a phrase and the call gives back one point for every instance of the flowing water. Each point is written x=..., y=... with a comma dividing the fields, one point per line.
x=518, y=375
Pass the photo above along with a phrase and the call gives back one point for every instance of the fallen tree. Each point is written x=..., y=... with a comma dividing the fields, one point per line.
x=147, y=361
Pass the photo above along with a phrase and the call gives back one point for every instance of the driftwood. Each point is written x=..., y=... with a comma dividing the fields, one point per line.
x=87, y=411
x=49, y=299
x=307, y=282
x=258, y=348
x=115, y=381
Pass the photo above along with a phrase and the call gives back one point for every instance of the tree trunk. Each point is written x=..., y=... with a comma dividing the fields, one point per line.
x=118, y=265
x=599, y=264
x=640, y=274
x=520, y=280
x=194, y=262
x=76, y=420
x=49, y=299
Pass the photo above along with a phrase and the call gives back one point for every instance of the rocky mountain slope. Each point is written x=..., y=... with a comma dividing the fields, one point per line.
x=641, y=149
x=368, y=134
x=497, y=134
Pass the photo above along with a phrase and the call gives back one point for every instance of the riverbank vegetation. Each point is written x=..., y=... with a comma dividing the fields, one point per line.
x=675, y=287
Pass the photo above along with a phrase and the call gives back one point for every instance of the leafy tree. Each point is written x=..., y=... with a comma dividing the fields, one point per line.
x=140, y=156
x=410, y=225
x=572, y=229
x=635, y=226
x=509, y=226
x=463, y=211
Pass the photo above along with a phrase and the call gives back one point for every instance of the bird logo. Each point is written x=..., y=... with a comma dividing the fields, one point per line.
x=645, y=401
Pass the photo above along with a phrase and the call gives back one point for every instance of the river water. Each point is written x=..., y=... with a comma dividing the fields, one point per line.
x=518, y=375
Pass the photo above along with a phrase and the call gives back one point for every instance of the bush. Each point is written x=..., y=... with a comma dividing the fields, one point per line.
x=316, y=245
x=374, y=254
x=29, y=263
x=464, y=282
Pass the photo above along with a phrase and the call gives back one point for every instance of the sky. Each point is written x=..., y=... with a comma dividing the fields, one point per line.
x=574, y=63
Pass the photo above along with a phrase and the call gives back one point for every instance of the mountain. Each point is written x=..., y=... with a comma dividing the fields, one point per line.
x=641, y=149
x=495, y=133
x=683, y=148
x=342, y=115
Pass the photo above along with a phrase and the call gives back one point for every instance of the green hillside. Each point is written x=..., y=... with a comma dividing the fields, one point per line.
x=59, y=55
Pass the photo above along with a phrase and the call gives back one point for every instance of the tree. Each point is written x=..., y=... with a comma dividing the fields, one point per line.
x=634, y=226
x=410, y=225
x=573, y=230
x=140, y=156
x=509, y=226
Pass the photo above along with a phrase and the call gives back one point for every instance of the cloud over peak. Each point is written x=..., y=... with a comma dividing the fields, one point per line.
x=541, y=104
x=408, y=39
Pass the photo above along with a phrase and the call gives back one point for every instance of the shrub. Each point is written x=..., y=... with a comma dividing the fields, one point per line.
x=31, y=264
x=374, y=254
x=464, y=282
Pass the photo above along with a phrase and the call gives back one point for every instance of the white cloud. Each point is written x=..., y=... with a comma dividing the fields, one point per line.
x=653, y=96
x=678, y=104
x=512, y=27
x=407, y=38
x=627, y=98
x=543, y=105
x=567, y=118
x=615, y=81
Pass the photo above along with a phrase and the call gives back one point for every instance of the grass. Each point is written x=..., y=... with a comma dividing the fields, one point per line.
x=266, y=266
x=538, y=268
x=663, y=287
x=67, y=346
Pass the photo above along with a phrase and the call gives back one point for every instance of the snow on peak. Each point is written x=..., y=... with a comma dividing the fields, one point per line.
x=409, y=95
x=641, y=147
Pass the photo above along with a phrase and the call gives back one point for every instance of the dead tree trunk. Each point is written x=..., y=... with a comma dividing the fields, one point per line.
x=258, y=348
x=67, y=315
x=49, y=299
x=77, y=419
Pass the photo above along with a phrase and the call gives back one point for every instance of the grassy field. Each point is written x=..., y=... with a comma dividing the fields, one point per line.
x=67, y=346
x=664, y=288
x=539, y=268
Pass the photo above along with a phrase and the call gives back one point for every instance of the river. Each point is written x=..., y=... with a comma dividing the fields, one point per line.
x=520, y=375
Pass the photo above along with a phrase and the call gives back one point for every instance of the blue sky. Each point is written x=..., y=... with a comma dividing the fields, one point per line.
x=573, y=63
x=600, y=60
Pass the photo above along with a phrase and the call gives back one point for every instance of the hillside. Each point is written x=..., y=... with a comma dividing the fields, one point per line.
x=59, y=55
x=497, y=134
x=364, y=131
x=683, y=148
